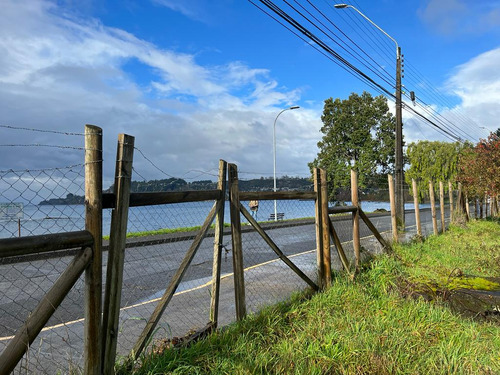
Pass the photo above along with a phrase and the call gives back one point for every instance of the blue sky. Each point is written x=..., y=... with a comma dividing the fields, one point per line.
x=198, y=80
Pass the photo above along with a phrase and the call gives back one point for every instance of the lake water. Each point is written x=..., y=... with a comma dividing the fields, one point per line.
x=62, y=218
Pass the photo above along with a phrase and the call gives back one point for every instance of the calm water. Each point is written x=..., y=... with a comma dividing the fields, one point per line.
x=55, y=219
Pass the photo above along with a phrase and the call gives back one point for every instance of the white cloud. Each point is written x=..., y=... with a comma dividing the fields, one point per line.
x=477, y=83
x=455, y=17
x=58, y=71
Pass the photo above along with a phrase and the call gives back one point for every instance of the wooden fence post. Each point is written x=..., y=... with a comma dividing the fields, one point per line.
x=355, y=218
x=441, y=205
x=467, y=207
x=417, y=208
x=234, y=208
x=116, y=253
x=319, y=228
x=218, y=244
x=433, y=208
x=461, y=209
x=450, y=193
x=393, y=208
x=327, y=259
x=93, y=273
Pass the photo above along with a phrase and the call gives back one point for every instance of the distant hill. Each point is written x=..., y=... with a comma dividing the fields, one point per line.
x=257, y=184
x=69, y=200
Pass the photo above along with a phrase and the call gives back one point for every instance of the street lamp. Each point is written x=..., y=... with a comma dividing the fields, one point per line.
x=400, y=210
x=274, y=155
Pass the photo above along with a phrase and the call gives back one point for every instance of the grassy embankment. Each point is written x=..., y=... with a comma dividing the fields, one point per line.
x=374, y=325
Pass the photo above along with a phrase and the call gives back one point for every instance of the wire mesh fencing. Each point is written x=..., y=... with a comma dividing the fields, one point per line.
x=59, y=347
x=159, y=238
x=43, y=199
x=268, y=279
x=31, y=203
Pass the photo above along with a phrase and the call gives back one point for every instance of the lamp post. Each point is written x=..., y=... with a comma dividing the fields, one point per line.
x=398, y=165
x=274, y=155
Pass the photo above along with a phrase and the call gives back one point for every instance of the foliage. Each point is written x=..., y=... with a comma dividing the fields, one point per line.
x=479, y=166
x=433, y=161
x=358, y=134
x=365, y=327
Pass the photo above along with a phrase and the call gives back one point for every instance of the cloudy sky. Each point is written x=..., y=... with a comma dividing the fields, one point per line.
x=196, y=81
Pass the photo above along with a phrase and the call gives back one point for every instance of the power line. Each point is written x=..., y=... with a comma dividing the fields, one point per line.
x=438, y=121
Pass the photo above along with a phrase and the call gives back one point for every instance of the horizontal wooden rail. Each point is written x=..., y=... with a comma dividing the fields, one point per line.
x=278, y=195
x=342, y=209
x=168, y=197
x=10, y=247
x=26, y=334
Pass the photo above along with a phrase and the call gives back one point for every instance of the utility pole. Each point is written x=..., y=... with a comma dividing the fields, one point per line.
x=398, y=163
x=399, y=174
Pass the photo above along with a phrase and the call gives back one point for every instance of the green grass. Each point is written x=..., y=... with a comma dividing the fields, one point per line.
x=361, y=327
x=473, y=252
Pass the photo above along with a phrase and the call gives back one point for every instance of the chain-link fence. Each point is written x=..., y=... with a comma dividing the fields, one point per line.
x=40, y=201
x=268, y=279
x=50, y=200
x=164, y=234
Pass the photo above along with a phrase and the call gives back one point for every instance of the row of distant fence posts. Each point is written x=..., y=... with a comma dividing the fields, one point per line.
x=461, y=210
x=100, y=337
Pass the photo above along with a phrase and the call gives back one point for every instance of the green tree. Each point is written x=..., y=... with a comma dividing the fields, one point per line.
x=433, y=160
x=359, y=134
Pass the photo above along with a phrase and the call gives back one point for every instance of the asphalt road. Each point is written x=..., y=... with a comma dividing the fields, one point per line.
x=148, y=269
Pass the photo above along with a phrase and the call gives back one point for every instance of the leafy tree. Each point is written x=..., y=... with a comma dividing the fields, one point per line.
x=359, y=134
x=478, y=168
x=433, y=160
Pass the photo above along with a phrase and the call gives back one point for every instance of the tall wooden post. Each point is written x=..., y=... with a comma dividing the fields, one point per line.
x=441, y=205
x=461, y=203
x=116, y=254
x=433, y=208
x=321, y=219
x=355, y=218
x=325, y=232
x=417, y=208
x=93, y=273
x=239, y=281
x=393, y=209
x=450, y=193
x=467, y=205
x=218, y=244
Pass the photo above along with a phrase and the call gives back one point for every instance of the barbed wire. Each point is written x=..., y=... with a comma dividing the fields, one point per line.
x=153, y=164
x=50, y=146
x=40, y=130
x=137, y=173
x=48, y=169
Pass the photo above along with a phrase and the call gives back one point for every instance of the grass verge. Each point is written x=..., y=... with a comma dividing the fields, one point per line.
x=362, y=327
